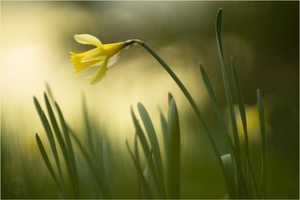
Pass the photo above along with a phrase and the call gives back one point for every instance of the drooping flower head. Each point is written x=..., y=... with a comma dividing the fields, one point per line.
x=102, y=56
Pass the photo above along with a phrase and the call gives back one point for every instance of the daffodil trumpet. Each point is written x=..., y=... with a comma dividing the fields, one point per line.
x=102, y=56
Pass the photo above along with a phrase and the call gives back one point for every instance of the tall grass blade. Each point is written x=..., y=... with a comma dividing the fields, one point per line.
x=54, y=123
x=218, y=110
x=164, y=127
x=87, y=124
x=263, y=142
x=50, y=94
x=226, y=83
x=240, y=99
x=140, y=134
x=137, y=157
x=241, y=103
x=230, y=174
x=47, y=162
x=139, y=173
x=49, y=133
x=72, y=168
x=154, y=144
x=146, y=169
x=142, y=192
x=90, y=163
x=145, y=147
x=57, y=130
x=107, y=169
x=173, y=152
x=216, y=105
x=170, y=97
x=241, y=184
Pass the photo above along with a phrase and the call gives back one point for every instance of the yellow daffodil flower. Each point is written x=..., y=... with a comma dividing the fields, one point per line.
x=102, y=56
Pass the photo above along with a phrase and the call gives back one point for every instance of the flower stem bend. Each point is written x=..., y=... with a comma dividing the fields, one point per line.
x=187, y=95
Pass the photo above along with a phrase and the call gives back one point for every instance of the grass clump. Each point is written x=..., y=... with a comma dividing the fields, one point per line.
x=166, y=176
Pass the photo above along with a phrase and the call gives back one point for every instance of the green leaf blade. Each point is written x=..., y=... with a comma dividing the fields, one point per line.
x=164, y=127
x=72, y=168
x=145, y=146
x=263, y=142
x=173, y=152
x=140, y=175
x=154, y=144
x=47, y=162
x=49, y=133
x=216, y=105
x=226, y=83
x=56, y=129
x=240, y=101
x=229, y=174
x=107, y=170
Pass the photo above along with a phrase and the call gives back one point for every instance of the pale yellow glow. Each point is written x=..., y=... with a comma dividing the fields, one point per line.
x=253, y=123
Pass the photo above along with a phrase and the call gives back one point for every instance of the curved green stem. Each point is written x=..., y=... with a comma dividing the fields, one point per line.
x=187, y=95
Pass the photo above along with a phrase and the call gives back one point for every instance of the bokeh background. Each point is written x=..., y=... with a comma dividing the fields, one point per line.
x=36, y=38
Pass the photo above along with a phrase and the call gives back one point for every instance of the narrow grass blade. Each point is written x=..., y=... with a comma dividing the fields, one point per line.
x=216, y=105
x=145, y=147
x=140, y=133
x=170, y=97
x=142, y=192
x=263, y=142
x=154, y=144
x=222, y=121
x=87, y=124
x=50, y=94
x=137, y=157
x=107, y=169
x=210, y=89
x=149, y=158
x=240, y=101
x=241, y=184
x=139, y=173
x=90, y=163
x=72, y=165
x=226, y=83
x=57, y=130
x=49, y=133
x=164, y=128
x=146, y=172
x=47, y=162
x=173, y=152
x=229, y=174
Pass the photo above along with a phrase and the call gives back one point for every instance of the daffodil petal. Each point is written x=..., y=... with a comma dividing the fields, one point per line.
x=95, y=54
x=112, y=60
x=78, y=65
x=99, y=73
x=87, y=39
